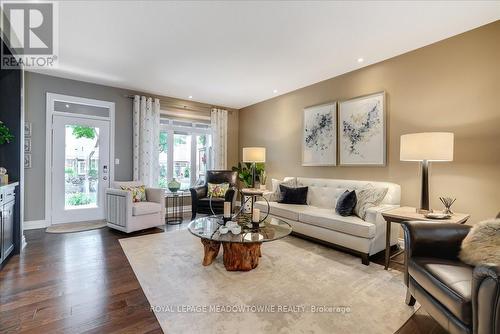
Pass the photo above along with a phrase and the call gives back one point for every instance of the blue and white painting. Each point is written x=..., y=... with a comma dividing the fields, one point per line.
x=362, y=131
x=319, y=146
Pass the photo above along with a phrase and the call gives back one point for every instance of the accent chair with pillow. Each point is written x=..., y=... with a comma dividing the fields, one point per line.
x=462, y=297
x=222, y=184
x=130, y=206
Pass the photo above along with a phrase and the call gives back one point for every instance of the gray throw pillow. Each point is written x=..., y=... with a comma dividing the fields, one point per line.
x=368, y=197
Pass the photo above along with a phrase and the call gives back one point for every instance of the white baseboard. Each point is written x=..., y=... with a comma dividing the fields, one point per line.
x=34, y=224
x=23, y=242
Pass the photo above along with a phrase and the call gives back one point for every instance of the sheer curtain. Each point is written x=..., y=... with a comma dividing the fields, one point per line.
x=146, y=140
x=218, y=120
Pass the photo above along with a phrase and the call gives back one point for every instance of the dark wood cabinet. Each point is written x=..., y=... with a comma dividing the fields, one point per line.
x=7, y=221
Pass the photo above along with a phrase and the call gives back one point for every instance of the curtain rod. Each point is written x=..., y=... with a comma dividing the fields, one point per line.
x=182, y=106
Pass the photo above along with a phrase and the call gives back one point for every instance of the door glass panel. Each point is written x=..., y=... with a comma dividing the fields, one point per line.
x=81, y=172
x=163, y=182
x=182, y=159
x=202, y=157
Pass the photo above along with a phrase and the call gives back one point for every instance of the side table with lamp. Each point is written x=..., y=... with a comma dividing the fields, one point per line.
x=424, y=147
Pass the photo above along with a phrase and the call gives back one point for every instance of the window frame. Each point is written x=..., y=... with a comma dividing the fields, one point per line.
x=169, y=126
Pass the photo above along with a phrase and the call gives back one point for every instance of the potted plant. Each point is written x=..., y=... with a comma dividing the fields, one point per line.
x=5, y=135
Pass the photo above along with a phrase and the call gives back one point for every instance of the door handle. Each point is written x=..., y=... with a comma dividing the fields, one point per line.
x=104, y=178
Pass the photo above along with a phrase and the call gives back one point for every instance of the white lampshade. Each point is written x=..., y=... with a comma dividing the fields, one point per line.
x=430, y=146
x=254, y=154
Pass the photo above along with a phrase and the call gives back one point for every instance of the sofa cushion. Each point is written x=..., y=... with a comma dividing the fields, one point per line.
x=145, y=208
x=448, y=281
x=288, y=211
x=293, y=195
x=327, y=218
x=346, y=203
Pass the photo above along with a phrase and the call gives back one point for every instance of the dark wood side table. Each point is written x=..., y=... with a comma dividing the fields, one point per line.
x=406, y=213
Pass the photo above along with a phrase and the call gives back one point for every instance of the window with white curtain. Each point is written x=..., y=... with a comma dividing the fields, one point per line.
x=185, y=152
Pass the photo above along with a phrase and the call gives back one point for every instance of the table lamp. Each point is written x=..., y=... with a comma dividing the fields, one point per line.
x=426, y=147
x=254, y=155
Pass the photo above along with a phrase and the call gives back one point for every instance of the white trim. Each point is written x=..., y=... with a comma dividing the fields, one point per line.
x=34, y=224
x=49, y=109
x=189, y=116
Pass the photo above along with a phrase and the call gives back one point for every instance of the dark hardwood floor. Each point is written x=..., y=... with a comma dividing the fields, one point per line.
x=82, y=282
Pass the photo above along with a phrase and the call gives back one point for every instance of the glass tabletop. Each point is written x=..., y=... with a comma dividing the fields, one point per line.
x=269, y=230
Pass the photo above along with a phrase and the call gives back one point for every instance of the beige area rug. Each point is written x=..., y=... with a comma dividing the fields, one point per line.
x=298, y=287
x=76, y=227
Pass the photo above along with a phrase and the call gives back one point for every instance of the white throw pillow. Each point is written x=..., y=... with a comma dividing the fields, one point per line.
x=368, y=197
x=482, y=244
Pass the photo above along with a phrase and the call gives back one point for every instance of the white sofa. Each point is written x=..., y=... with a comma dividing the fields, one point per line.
x=318, y=220
x=125, y=215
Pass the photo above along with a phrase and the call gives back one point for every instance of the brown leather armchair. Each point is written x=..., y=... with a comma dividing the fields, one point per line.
x=200, y=203
x=461, y=298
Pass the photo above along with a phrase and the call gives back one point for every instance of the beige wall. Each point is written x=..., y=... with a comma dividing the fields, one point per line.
x=453, y=85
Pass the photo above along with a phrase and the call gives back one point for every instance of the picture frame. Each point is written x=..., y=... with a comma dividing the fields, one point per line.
x=27, y=129
x=362, y=131
x=27, y=160
x=319, y=135
x=27, y=145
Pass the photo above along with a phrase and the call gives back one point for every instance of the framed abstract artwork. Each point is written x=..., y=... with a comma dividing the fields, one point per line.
x=319, y=142
x=362, y=131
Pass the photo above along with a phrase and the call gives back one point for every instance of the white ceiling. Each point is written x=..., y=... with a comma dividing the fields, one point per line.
x=235, y=54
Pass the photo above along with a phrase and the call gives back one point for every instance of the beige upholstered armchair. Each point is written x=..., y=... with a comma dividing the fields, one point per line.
x=125, y=215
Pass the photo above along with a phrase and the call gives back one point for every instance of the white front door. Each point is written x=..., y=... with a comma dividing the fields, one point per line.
x=80, y=168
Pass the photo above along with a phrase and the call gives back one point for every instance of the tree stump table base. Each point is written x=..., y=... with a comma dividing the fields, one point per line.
x=211, y=250
x=237, y=256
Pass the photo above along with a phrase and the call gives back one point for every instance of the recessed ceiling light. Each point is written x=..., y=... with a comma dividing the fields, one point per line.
x=190, y=96
x=67, y=106
x=360, y=60
x=275, y=91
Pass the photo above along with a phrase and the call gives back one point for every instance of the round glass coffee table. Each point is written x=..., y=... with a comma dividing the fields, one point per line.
x=241, y=251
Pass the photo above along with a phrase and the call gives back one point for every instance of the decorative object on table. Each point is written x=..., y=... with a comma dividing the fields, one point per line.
x=263, y=180
x=227, y=212
x=426, y=147
x=4, y=177
x=5, y=136
x=27, y=145
x=437, y=215
x=447, y=202
x=319, y=142
x=254, y=155
x=27, y=129
x=174, y=185
x=255, y=218
x=346, y=203
x=223, y=229
x=27, y=160
x=362, y=131
x=482, y=244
